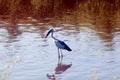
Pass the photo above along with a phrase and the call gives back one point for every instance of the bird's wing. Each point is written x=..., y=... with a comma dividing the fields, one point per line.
x=62, y=45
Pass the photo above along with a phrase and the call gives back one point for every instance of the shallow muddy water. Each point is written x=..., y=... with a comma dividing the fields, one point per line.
x=26, y=55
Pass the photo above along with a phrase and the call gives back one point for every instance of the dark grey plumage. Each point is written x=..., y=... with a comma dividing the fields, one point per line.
x=62, y=45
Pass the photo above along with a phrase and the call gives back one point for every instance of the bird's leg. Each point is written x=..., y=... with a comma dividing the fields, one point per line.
x=61, y=58
x=58, y=53
x=61, y=52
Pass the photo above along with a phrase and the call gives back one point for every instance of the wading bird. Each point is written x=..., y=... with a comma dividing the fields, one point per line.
x=60, y=44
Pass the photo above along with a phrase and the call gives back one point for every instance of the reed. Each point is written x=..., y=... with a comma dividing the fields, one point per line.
x=100, y=11
x=45, y=8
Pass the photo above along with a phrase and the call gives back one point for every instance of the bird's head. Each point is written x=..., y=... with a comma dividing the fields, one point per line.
x=51, y=30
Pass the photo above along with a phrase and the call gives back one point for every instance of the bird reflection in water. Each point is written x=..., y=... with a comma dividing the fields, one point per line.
x=59, y=69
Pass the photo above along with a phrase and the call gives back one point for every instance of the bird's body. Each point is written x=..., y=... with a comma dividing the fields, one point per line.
x=60, y=44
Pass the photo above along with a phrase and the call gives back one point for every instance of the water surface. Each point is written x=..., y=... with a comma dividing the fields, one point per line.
x=26, y=55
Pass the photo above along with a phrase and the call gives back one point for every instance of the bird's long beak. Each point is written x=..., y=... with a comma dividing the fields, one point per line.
x=48, y=33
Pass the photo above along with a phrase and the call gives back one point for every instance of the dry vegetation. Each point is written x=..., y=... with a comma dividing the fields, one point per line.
x=99, y=7
x=99, y=11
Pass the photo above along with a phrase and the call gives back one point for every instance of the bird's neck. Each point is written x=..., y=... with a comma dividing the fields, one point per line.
x=53, y=36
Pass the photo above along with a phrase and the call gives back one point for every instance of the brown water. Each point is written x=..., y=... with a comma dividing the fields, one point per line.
x=26, y=55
